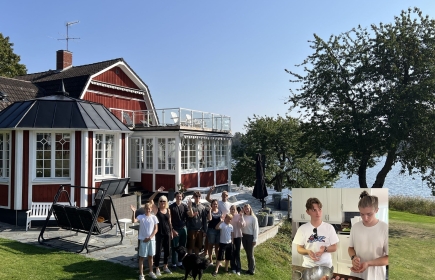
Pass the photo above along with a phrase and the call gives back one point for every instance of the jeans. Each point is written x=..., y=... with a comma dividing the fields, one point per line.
x=247, y=241
x=235, y=260
x=161, y=241
x=179, y=240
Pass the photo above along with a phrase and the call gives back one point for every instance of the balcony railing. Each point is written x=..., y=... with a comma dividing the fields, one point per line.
x=169, y=117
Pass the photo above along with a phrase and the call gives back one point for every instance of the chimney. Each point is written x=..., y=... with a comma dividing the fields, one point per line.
x=63, y=59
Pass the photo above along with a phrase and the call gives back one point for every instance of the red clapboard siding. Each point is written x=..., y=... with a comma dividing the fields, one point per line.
x=147, y=181
x=189, y=180
x=78, y=166
x=25, y=167
x=117, y=77
x=114, y=91
x=46, y=193
x=115, y=102
x=4, y=191
x=167, y=181
x=221, y=177
x=206, y=179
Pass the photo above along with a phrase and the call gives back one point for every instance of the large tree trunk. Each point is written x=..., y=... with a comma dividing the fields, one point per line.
x=389, y=162
x=362, y=173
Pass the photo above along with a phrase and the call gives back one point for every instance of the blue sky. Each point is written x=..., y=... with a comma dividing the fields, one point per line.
x=225, y=57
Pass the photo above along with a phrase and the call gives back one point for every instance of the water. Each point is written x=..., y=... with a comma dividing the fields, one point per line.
x=396, y=183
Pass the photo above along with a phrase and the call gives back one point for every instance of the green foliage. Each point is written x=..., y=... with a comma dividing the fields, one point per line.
x=370, y=93
x=416, y=205
x=287, y=162
x=9, y=62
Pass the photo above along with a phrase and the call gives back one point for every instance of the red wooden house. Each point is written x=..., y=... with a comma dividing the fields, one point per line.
x=154, y=147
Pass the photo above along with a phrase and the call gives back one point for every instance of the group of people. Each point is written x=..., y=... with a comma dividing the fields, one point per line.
x=368, y=247
x=223, y=226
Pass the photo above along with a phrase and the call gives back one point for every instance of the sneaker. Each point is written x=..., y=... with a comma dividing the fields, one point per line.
x=152, y=275
x=158, y=272
x=238, y=273
x=141, y=277
x=233, y=271
x=166, y=270
x=214, y=273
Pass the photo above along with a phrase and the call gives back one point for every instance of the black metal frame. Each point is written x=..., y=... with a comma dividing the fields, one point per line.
x=84, y=220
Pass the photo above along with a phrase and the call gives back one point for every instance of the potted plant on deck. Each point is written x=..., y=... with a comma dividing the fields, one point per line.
x=262, y=219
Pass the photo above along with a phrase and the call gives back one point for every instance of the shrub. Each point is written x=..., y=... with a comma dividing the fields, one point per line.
x=411, y=204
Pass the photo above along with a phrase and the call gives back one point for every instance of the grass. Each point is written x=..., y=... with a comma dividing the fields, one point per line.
x=411, y=246
x=415, y=205
x=24, y=261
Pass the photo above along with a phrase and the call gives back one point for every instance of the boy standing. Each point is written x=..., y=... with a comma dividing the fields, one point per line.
x=226, y=242
x=147, y=244
x=316, y=240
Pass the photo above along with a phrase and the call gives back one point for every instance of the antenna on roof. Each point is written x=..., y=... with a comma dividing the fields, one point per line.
x=67, y=37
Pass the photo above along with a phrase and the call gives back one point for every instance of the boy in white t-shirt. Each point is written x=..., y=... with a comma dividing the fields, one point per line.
x=368, y=245
x=316, y=240
x=146, y=236
x=226, y=242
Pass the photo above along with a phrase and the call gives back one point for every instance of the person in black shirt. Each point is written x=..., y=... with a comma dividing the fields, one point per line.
x=179, y=232
x=163, y=235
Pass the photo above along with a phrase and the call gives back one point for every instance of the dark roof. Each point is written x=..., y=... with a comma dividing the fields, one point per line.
x=75, y=78
x=58, y=111
x=18, y=90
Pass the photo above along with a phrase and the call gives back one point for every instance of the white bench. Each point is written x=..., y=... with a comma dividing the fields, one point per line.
x=39, y=211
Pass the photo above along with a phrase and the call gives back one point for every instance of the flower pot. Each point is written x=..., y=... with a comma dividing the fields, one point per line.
x=270, y=220
x=262, y=220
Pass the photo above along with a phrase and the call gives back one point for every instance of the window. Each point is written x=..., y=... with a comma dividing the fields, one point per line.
x=171, y=153
x=4, y=155
x=149, y=153
x=161, y=152
x=53, y=160
x=188, y=154
x=205, y=153
x=104, y=154
x=221, y=153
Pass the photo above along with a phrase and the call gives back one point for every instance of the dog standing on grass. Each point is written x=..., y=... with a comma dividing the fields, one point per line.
x=193, y=264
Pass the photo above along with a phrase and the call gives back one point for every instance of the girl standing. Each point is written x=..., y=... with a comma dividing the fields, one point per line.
x=238, y=223
x=250, y=235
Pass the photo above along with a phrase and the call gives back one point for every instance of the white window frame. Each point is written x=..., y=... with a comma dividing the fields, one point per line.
x=34, y=160
x=115, y=152
x=148, y=153
x=5, y=152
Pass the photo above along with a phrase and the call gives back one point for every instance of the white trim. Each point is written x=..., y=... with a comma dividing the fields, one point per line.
x=121, y=88
x=84, y=167
x=18, y=171
x=116, y=95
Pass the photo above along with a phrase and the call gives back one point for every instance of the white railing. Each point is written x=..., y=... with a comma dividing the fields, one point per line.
x=182, y=117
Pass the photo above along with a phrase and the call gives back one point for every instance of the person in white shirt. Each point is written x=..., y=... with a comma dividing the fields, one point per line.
x=223, y=205
x=368, y=245
x=147, y=244
x=316, y=240
x=250, y=236
x=226, y=241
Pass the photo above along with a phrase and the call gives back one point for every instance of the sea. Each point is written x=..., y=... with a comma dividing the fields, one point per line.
x=397, y=184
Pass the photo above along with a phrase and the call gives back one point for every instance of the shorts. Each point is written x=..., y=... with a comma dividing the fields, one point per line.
x=213, y=236
x=227, y=249
x=195, y=239
x=147, y=249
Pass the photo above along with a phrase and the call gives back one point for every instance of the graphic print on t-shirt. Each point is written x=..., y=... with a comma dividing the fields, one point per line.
x=312, y=239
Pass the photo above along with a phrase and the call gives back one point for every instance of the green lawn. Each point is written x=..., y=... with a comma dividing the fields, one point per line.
x=411, y=246
x=24, y=261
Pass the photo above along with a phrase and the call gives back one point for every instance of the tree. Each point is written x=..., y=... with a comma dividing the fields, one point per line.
x=286, y=165
x=9, y=62
x=367, y=94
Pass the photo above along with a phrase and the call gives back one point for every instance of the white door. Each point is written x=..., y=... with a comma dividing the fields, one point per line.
x=136, y=156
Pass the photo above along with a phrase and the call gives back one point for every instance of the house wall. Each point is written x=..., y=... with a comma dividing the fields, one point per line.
x=46, y=193
x=25, y=169
x=221, y=177
x=189, y=180
x=206, y=179
x=90, y=165
x=167, y=181
x=147, y=181
x=121, y=101
x=117, y=77
x=77, y=166
x=4, y=195
x=12, y=173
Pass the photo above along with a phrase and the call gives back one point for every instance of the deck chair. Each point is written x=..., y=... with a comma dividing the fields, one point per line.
x=127, y=119
x=175, y=118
